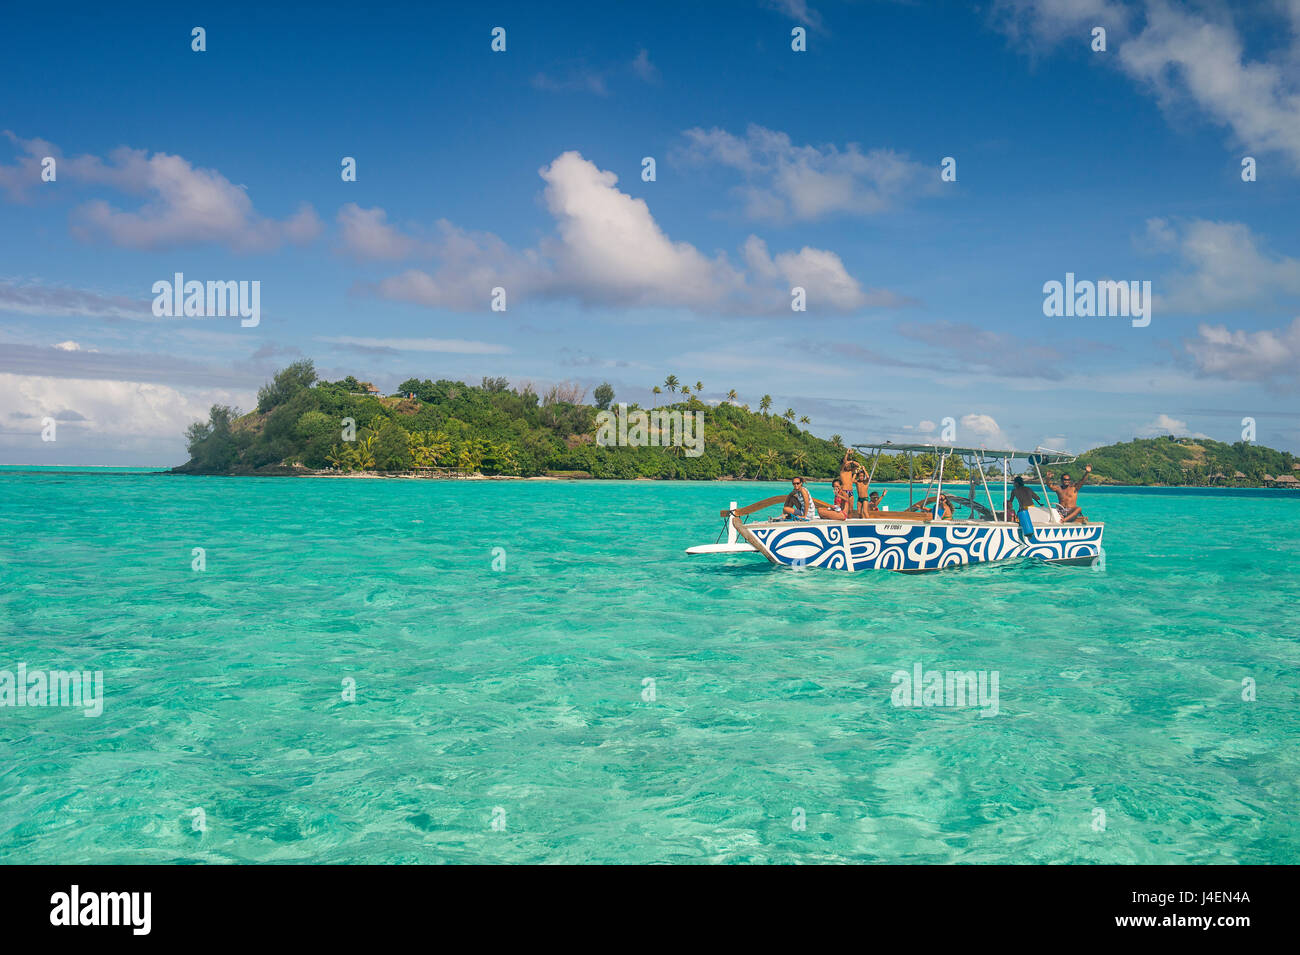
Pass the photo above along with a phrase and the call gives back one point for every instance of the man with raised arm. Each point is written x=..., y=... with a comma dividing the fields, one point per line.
x=852, y=472
x=1067, y=492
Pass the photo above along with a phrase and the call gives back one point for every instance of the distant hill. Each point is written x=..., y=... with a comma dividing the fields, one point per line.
x=1188, y=461
x=300, y=426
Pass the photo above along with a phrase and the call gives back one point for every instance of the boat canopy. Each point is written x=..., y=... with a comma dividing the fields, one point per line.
x=1040, y=455
x=979, y=459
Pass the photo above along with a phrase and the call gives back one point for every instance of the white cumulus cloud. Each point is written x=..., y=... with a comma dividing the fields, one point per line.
x=606, y=249
x=1186, y=54
x=785, y=182
x=1243, y=355
x=1164, y=424
x=178, y=204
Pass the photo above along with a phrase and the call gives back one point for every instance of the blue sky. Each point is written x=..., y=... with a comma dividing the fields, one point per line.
x=775, y=168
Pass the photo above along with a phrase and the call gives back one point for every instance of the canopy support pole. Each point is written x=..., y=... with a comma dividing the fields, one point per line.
x=938, y=489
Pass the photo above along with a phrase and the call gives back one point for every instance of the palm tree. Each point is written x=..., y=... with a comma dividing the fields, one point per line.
x=657, y=391
x=767, y=461
x=506, y=459
x=789, y=414
x=471, y=455
x=671, y=383
x=803, y=419
x=686, y=389
x=428, y=448
x=837, y=440
x=732, y=396
x=698, y=387
x=799, y=459
x=764, y=403
x=363, y=453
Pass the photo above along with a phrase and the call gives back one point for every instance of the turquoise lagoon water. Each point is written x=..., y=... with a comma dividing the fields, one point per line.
x=518, y=694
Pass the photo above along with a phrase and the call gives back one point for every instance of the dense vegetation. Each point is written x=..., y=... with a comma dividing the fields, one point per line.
x=1186, y=461
x=490, y=428
x=301, y=423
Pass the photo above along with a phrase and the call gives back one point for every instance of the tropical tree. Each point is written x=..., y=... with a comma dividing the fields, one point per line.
x=470, y=456
x=799, y=459
x=392, y=448
x=767, y=462
x=286, y=383
x=670, y=383
x=698, y=387
x=357, y=456
x=657, y=391
x=837, y=441
x=212, y=444
x=789, y=414
x=764, y=403
x=803, y=419
x=429, y=448
x=732, y=396
x=686, y=389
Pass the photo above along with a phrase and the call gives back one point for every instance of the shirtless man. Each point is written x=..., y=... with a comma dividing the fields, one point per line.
x=1067, y=492
x=1022, y=496
x=853, y=473
x=847, y=468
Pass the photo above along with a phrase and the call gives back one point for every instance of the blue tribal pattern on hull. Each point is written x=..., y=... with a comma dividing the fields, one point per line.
x=914, y=546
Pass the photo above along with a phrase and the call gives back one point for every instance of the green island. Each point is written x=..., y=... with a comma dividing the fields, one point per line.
x=450, y=428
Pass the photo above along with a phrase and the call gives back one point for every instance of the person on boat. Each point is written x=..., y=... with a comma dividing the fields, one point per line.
x=852, y=472
x=873, y=502
x=799, y=504
x=1067, y=493
x=862, y=478
x=1021, y=496
x=839, y=510
x=847, y=468
x=927, y=507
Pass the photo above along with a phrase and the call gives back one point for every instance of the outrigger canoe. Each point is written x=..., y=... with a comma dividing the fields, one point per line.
x=920, y=538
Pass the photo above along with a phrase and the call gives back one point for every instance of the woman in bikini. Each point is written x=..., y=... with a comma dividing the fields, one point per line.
x=839, y=511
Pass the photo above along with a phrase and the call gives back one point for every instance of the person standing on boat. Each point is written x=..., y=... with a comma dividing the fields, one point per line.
x=1067, y=493
x=852, y=472
x=1022, y=497
x=799, y=505
x=847, y=468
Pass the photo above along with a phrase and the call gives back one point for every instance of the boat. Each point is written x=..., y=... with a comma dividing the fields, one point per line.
x=920, y=538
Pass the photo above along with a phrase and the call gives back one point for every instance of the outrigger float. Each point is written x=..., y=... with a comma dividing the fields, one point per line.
x=920, y=538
